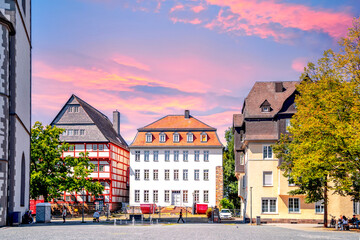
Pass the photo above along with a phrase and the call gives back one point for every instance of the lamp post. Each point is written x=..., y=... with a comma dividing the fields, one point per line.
x=83, y=204
x=250, y=205
x=193, y=208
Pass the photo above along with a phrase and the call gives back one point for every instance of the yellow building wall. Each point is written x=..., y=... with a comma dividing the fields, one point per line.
x=256, y=166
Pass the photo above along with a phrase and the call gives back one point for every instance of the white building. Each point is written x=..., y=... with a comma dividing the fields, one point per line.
x=176, y=160
x=15, y=110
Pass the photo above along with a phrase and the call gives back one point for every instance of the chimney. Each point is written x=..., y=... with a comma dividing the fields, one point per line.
x=279, y=87
x=116, y=121
x=187, y=113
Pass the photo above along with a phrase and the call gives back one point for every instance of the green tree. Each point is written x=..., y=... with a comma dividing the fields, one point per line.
x=52, y=174
x=230, y=181
x=322, y=152
x=225, y=203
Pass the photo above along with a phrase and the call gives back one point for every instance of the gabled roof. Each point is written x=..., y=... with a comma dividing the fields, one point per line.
x=100, y=120
x=266, y=91
x=177, y=122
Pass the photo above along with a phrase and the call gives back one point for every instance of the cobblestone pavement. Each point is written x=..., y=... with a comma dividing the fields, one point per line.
x=167, y=231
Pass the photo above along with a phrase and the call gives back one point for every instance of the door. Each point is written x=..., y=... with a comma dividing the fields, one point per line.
x=175, y=198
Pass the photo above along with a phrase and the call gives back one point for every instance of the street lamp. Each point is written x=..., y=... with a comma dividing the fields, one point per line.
x=250, y=205
x=193, y=208
x=83, y=204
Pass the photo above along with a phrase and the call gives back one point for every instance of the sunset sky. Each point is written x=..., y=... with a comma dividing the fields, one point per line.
x=150, y=58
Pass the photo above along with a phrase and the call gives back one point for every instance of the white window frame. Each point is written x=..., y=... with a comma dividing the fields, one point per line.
x=155, y=196
x=82, y=132
x=156, y=156
x=265, y=109
x=266, y=149
x=176, y=156
x=206, y=196
x=137, y=156
x=167, y=174
x=176, y=174
x=146, y=174
x=206, y=156
x=162, y=137
x=76, y=109
x=196, y=155
x=146, y=156
x=137, y=195
x=268, y=205
x=137, y=174
x=196, y=174
x=190, y=137
x=167, y=195
x=176, y=137
x=287, y=124
x=206, y=174
x=272, y=179
x=291, y=202
x=196, y=196
x=320, y=205
x=148, y=137
x=156, y=174
x=185, y=196
x=185, y=156
x=356, y=208
x=203, y=137
x=167, y=156
x=70, y=109
x=146, y=195
x=185, y=174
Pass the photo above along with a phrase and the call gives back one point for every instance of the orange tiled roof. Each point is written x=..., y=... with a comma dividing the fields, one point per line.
x=212, y=140
x=177, y=122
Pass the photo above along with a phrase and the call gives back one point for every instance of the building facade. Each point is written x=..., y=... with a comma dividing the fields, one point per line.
x=88, y=130
x=15, y=110
x=176, y=160
x=263, y=189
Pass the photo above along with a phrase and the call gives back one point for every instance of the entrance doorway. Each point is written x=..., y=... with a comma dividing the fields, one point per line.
x=175, y=198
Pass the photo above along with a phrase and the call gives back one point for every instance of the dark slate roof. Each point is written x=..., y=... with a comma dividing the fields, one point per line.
x=103, y=123
x=266, y=91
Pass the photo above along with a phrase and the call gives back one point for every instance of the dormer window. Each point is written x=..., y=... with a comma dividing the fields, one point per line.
x=176, y=137
x=149, y=137
x=265, y=107
x=190, y=137
x=162, y=137
x=203, y=137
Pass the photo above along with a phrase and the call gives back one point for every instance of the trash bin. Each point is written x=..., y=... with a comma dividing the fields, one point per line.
x=43, y=212
x=258, y=220
x=15, y=218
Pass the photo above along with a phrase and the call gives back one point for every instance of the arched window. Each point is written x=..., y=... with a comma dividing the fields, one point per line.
x=203, y=137
x=190, y=137
x=149, y=137
x=22, y=187
x=162, y=137
x=176, y=137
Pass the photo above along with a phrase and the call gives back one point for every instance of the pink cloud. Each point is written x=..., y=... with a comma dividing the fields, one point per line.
x=131, y=62
x=177, y=8
x=197, y=9
x=191, y=21
x=298, y=64
x=259, y=17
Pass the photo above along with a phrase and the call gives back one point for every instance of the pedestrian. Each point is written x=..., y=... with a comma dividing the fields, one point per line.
x=180, y=217
x=64, y=214
x=96, y=216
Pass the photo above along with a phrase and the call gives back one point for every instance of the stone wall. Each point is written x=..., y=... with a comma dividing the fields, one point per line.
x=219, y=184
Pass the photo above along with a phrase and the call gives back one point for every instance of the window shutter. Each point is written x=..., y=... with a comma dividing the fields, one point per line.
x=267, y=178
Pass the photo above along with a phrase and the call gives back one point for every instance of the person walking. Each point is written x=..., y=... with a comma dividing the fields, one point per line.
x=64, y=214
x=180, y=217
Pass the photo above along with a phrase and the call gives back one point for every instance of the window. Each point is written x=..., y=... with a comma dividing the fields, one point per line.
x=167, y=156
x=206, y=196
x=197, y=155
x=148, y=137
x=291, y=182
x=146, y=156
x=101, y=147
x=176, y=156
x=196, y=196
x=96, y=168
x=76, y=132
x=167, y=196
x=241, y=158
x=156, y=156
x=156, y=174
x=294, y=205
x=356, y=206
x=101, y=168
x=76, y=109
x=70, y=132
x=71, y=148
x=267, y=152
x=23, y=2
x=206, y=156
x=94, y=147
x=287, y=124
x=196, y=174
x=268, y=205
x=185, y=155
x=244, y=181
x=185, y=174
x=206, y=174
x=155, y=196
x=265, y=109
x=167, y=174
x=70, y=109
x=176, y=174
x=185, y=196
x=190, y=137
x=82, y=132
x=146, y=174
x=162, y=137
x=267, y=179
x=146, y=195
x=203, y=137
x=319, y=207
x=137, y=156
x=137, y=174
x=137, y=195
x=176, y=137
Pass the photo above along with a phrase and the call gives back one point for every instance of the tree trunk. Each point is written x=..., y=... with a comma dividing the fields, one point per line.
x=325, y=205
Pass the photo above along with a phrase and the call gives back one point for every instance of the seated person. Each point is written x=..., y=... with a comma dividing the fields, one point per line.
x=355, y=221
x=27, y=218
x=345, y=224
x=96, y=216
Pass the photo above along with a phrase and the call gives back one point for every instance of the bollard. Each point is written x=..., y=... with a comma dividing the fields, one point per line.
x=133, y=221
x=142, y=219
x=120, y=221
x=157, y=221
x=126, y=222
x=114, y=222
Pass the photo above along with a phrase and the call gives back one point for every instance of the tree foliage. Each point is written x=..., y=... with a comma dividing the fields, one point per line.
x=323, y=151
x=230, y=181
x=52, y=174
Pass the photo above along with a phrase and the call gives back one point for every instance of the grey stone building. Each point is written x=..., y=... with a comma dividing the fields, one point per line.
x=15, y=110
x=88, y=130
